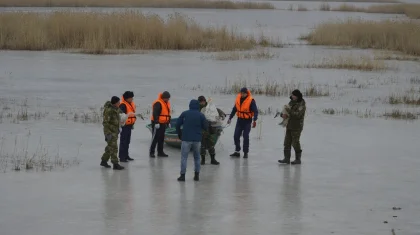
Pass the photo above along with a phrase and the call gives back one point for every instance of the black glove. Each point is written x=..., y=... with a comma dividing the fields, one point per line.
x=108, y=137
x=180, y=136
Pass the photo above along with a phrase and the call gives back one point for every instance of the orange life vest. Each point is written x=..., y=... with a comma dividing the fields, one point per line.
x=244, y=110
x=131, y=108
x=165, y=114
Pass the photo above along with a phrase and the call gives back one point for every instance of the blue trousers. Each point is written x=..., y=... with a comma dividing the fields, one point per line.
x=186, y=147
x=243, y=127
x=125, y=139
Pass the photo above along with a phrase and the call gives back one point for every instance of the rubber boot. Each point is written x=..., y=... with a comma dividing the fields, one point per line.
x=130, y=159
x=152, y=155
x=213, y=160
x=235, y=154
x=203, y=159
x=182, y=177
x=297, y=160
x=196, y=176
x=118, y=167
x=287, y=154
x=105, y=164
x=162, y=154
x=245, y=155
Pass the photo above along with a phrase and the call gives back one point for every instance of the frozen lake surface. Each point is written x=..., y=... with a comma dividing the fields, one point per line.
x=355, y=170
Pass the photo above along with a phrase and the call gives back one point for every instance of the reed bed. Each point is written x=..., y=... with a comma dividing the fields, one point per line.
x=362, y=63
x=258, y=54
x=98, y=32
x=218, y=4
x=410, y=10
x=402, y=36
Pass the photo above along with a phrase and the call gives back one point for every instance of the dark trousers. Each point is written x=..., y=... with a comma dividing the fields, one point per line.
x=243, y=127
x=158, y=138
x=125, y=139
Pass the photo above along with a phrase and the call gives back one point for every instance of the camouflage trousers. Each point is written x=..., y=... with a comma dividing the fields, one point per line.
x=207, y=143
x=292, y=138
x=111, y=150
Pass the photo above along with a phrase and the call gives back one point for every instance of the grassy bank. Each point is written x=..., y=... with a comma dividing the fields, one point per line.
x=218, y=4
x=410, y=10
x=400, y=36
x=98, y=32
x=376, y=1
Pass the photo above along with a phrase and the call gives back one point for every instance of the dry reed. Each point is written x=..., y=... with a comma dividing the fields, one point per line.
x=398, y=114
x=363, y=63
x=411, y=10
x=258, y=54
x=98, y=32
x=400, y=36
x=301, y=8
x=404, y=99
x=324, y=7
x=218, y=4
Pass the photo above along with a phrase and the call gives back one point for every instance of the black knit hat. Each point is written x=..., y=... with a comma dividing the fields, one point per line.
x=298, y=94
x=166, y=95
x=244, y=90
x=128, y=95
x=201, y=99
x=114, y=100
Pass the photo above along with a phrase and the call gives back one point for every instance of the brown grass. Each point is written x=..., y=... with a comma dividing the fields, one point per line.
x=403, y=36
x=401, y=115
x=218, y=4
x=272, y=88
x=98, y=32
x=396, y=57
x=411, y=10
x=404, y=99
x=362, y=63
x=324, y=7
x=378, y=1
x=301, y=8
x=258, y=54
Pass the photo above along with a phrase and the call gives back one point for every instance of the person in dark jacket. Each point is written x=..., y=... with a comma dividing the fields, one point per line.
x=128, y=107
x=246, y=110
x=294, y=127
x=161, y=118
x=193, y=123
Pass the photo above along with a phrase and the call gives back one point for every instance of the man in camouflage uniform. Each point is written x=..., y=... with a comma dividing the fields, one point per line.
x=111, y=123
x=207, y=143
x=294, y=127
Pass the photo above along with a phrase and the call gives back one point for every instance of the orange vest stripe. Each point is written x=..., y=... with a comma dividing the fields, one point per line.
x=131, y=108
x=244, y=110
x=165, y=114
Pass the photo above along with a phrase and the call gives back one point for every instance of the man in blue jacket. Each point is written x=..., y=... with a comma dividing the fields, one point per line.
x=193, y=122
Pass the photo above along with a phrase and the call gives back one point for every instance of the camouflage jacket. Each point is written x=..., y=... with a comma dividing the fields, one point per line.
x=111, y=121
x=296, y=115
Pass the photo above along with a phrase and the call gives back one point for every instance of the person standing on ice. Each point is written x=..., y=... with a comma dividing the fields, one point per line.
x=246, y=110
x=193, y=123
x=296, y=115
x=160, y=118
x=128, y=107
x=207, y=142
x=111, y=124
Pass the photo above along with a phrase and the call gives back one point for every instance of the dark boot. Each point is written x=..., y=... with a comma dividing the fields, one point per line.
x=287, y=154
x=105, y=164
x=203, y=159
x=235, y=154
x=123, y=160
x=118, y=167
x=245, y=155
x=152, y=155
x=130, y=159
x=196, y=176
x=162, y=154
x=297, y=160
x=182, y=177
x=213, y=160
